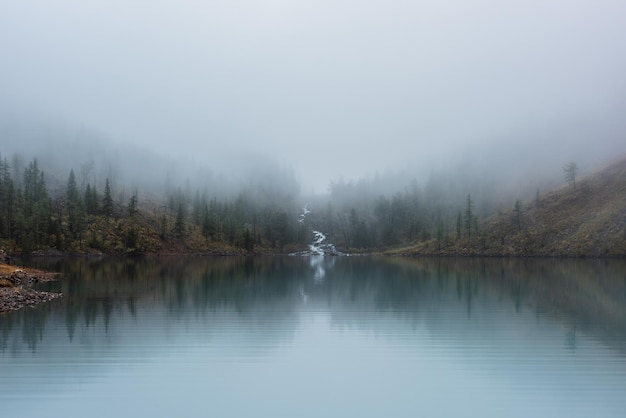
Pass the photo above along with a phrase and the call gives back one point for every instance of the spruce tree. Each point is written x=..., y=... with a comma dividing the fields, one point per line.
x=179, y=226
x=469, y=215
x=132, y=205
x=107, y=200
x=34, y=208
x=7, y=199
x=75, y=208
x=570, y=170
x=92, y=203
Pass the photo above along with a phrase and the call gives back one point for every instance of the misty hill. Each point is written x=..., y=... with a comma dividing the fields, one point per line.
x=117, y=202
x=40, y=215
x=585, y=219
x=95, y=156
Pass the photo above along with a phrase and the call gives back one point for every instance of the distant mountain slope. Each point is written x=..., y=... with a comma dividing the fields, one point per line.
x=586, y=220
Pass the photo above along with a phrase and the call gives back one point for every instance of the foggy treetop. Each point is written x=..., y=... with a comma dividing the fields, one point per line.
x=331, y=88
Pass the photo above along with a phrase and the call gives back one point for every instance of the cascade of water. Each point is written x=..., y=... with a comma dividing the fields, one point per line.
x=320, y=245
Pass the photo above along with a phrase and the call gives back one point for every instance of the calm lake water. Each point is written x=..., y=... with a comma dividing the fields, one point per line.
x=320, y=337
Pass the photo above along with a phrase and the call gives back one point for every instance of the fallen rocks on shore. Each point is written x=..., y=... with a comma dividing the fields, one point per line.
x=12, y=299
x=16, y=291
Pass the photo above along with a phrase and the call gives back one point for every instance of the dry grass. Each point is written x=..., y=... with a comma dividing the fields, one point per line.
x=589, y=220
x=6, y=269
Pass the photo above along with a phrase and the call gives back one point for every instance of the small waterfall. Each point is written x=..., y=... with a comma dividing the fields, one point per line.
x=320, y=245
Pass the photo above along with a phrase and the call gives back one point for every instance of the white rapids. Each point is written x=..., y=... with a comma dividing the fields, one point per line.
x=320, y=245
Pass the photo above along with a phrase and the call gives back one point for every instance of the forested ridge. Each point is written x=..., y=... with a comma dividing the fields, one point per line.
x=86, y=219
x=444, y=216
x=584, y=218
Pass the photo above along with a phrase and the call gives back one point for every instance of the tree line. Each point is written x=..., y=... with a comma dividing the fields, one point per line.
x=354, y=218
x=85, y=218
x=79, y=218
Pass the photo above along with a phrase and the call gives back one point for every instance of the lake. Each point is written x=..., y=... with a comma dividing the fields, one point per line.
x=320, y=337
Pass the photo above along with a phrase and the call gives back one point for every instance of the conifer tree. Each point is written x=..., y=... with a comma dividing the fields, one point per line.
x=469, y=215
x=440, y=233
x=132, y=205
x=107, y=200
x=92, y=200
x=7, y=199
x=75, y=208
x=34, y=207
x=571, y=170
x=179, y=225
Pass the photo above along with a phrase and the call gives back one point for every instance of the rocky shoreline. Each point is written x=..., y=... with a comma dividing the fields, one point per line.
x=16, y=287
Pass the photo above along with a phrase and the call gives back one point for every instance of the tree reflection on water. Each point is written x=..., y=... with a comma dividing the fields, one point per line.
x=585, y=296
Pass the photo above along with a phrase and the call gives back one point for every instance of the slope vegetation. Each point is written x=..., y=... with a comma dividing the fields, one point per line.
x=585, y=220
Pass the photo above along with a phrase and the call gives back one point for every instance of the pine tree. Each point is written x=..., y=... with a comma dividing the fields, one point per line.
x=570, y=170
x=441, y=227
x=107, y=200
x=469, y=215
x=179, y=225
x=75, y=208
x=92, y=200
x=7, y=199
x=132, y=205
x=34, y=207
x=207, y=227
x=537, y=199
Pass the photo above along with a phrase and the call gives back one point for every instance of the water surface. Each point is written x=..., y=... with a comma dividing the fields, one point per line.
x=320, y=336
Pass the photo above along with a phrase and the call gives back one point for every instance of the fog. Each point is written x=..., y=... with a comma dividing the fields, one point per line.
x=324, y=90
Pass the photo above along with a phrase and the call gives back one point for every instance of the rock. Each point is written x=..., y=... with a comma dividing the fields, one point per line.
x=15, y=291
x=12, y=299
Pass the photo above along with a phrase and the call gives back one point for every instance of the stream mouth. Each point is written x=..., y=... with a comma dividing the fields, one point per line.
x=321, y=246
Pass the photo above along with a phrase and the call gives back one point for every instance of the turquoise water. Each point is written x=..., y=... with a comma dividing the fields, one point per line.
x=315, y=336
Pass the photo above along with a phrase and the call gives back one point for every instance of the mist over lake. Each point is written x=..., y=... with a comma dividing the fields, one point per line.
x=312, y=208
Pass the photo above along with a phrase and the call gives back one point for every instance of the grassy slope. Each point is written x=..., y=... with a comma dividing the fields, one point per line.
x=111, y=236
x=589, y=220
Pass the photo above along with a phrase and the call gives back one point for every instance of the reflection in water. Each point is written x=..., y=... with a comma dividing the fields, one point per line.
x=319, y=263
x=509, y=337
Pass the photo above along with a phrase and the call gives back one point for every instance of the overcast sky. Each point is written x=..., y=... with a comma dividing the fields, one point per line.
x=351, y=86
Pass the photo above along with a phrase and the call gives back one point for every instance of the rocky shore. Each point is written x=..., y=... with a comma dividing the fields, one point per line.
x=16, y=287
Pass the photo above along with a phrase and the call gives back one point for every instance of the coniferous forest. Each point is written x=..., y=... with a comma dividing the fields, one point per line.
x=80, y=217
x=441, y=217
x=84, y=219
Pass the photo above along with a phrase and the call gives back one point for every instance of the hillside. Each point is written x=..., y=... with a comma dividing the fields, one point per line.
x=36, y=218
x=585, y=218
x=588, y=220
